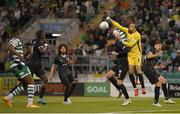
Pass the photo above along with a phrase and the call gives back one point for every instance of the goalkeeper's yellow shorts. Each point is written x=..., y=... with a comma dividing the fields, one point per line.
x=135, y=61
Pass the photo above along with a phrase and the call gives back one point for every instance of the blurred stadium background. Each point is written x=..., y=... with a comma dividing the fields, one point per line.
x=76, y=23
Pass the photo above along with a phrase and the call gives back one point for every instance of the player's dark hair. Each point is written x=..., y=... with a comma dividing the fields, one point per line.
x=38, y=34
x=15, y=32
x=60, y=46
x=158, y=42
x=132, y=20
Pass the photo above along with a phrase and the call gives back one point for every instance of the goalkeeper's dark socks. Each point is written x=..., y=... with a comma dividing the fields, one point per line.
x=156, y=96
x=124, y=91
x=114, y=82
x=141, y=79
x=165, y=91
x=132, y=79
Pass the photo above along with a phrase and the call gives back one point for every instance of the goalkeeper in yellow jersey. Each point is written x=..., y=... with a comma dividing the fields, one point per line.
x=134, y=55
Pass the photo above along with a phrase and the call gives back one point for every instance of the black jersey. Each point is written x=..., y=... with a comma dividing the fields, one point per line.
x=36, y=54
x=148, y=67
x=62, y=61
x=122, y=51
x=121, y=62
x=152, y=61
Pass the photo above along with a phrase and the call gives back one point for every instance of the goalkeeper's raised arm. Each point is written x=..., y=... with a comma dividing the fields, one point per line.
x=116, y=24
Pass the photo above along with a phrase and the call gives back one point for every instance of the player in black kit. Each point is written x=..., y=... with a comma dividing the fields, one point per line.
x=39, y=48
x=117, y=74
x=150, y=64
x=63, y=64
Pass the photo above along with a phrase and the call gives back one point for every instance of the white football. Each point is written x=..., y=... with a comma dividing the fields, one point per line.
x=103, y=25
x=45, y=45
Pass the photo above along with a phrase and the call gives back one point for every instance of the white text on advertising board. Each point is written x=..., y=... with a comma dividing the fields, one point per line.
x=97, y=89
x=175, y=87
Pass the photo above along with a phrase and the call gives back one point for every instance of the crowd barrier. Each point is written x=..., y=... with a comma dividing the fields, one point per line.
x=8, y=81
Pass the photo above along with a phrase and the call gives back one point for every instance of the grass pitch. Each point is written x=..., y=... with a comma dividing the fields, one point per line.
x=92, y=105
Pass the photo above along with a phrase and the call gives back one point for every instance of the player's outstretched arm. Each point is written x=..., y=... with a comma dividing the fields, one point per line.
x=52, y=71
x=116, y=24
x=151, y=55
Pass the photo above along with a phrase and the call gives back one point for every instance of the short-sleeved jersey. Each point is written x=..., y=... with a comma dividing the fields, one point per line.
x=152, y=61
x=36, y=54
x=15, y=61
x=62, y=62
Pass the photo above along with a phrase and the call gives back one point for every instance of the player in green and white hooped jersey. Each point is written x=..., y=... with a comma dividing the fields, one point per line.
x=21, y=71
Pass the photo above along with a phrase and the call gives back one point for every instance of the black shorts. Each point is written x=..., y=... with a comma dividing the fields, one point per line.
x=151, y=73
x=66, y=77
x=36, y=68
x=121, y=70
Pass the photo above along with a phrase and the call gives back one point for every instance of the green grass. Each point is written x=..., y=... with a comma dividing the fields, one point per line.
x=92, y=105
